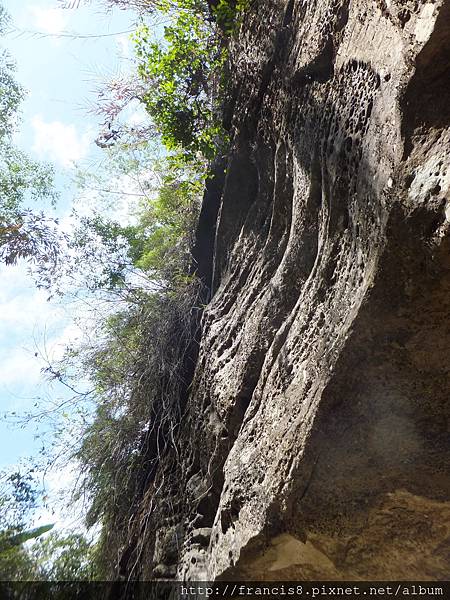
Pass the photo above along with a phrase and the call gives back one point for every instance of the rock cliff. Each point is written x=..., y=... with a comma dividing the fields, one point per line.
x=315, y=439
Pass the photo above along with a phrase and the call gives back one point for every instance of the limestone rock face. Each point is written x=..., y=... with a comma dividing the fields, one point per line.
x=315, y=441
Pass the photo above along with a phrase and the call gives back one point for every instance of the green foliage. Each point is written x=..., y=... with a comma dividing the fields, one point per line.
x=228, y=14
x=54, y=557
x=184, y=75
x=18, y=498
x=19, y=494
x=139, y=370
x=152, y=249
x=8, y=541
x=69, y=557
x=23, y=234
x=32, y=236
x=17, y=564
x=136, y=359
x=11, y=94
x=160, y=242
x=21, y=179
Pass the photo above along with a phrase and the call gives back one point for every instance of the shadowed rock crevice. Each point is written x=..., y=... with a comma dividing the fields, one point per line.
x=427, y=98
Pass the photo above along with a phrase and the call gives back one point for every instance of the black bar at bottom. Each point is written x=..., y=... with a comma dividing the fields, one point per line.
x=232, y=590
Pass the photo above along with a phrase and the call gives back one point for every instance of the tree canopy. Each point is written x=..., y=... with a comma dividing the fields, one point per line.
x=24, y=233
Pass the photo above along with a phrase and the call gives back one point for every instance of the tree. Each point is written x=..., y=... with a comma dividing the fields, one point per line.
x=23, y=233
x=19, y=495
x=52, y=557
x=183, y=75
x=55, y=557
x=148, y=246
x=69, y=557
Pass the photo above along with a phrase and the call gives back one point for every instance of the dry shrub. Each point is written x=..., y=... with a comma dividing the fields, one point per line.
x=142, y=371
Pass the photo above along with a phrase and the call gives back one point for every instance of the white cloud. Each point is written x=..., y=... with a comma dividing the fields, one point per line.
x=49, y=20
x=138, y=117
x=20, y=366
x=28, y=324
x=22, y=306
x=59, y=484
x=59, y=142
x=123, y=41
x=58, y=344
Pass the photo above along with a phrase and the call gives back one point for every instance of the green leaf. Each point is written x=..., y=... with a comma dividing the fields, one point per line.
x=20, y=538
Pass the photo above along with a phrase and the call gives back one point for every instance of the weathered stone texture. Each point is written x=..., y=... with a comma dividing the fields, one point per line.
x=315, y=443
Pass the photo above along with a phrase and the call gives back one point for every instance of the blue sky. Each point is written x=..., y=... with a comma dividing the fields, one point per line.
x=60, y=75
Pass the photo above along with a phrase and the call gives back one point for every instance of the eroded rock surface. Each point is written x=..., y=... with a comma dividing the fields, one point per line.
x=315, y=442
